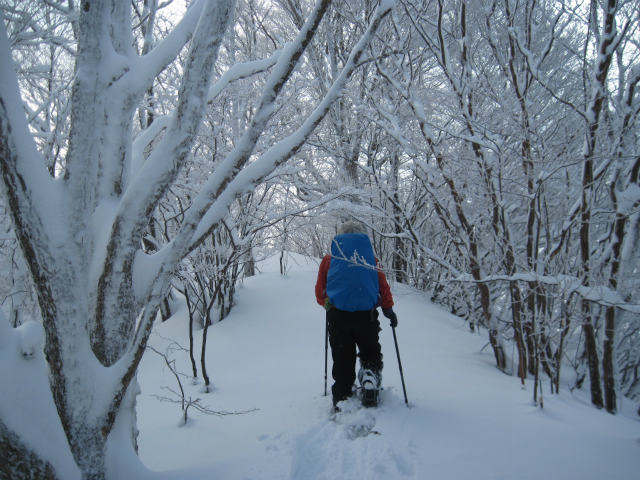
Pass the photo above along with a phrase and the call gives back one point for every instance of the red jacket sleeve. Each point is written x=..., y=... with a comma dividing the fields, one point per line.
x=321, y=283
x=386, y=299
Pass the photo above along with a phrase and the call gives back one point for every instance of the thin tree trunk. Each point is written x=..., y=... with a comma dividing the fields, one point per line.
x=516, y=309
x=205, y=331
x=565, y=323
x=594, y=109
x=194, y=369
x=608, y=370
x=203, y=363
x=592, y=355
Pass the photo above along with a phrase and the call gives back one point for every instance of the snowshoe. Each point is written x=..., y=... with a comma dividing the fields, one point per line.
x=370, y=387
x=369, y=395
x=356, y=420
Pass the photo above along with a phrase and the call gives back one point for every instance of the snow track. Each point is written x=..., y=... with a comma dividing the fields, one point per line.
x=353, y=445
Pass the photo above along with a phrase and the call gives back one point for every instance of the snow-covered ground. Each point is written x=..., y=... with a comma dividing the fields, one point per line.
x=466, y=420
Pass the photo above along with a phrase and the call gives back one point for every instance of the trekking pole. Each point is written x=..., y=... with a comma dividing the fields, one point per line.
x=326, y=348
x=404, y=390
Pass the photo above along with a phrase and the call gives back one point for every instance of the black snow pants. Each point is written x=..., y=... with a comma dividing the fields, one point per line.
x=348, y=330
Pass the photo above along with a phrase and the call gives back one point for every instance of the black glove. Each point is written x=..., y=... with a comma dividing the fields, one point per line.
x=391, y=315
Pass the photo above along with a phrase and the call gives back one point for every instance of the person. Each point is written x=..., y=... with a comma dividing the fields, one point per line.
x=350, y=287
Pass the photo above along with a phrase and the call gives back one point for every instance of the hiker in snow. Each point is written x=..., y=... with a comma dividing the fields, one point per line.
x=350, y=287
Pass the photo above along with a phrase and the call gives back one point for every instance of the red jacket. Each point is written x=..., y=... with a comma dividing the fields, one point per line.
x=386, y=300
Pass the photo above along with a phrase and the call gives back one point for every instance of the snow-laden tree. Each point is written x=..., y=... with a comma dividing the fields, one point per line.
x=501, y=175
x=520, y=148
x=80, y=224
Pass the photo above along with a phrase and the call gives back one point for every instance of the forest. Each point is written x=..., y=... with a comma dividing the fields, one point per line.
x=158, y=149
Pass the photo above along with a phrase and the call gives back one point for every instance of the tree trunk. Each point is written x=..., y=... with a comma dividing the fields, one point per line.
x=594, y=109
x=249, y=267
x=203, y=353
x=608, y=371
x=516, y=309
x=192, y=312
x=591, y=351
x=565, y=324
x=92, y=462
x=205, y=331
x=17, y=461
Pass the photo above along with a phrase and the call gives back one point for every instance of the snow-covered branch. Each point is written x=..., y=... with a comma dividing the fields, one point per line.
x=157, y=173
x=237, y=159
x=240, y=71
x=287, y=147
x=26, y=179
x=237, y=72
x=599, y=294
x=145, y=69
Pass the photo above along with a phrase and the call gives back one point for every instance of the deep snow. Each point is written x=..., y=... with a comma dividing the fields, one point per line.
x=466, y=419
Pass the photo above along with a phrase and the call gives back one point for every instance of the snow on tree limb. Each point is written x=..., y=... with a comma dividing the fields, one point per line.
x=237, y=72
x=599, y=294
x=240, y=71
x=287, y=147
x=148, y=67
x=39, y=197
x=157, y=173
x=179, y=247
x=181, y=244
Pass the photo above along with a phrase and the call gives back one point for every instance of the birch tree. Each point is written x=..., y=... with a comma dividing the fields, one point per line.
x=80, y=229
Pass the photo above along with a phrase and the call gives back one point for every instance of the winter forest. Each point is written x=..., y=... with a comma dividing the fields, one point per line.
x=158, y=149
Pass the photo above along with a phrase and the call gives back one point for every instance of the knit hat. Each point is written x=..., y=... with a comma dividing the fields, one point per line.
x=351, y=226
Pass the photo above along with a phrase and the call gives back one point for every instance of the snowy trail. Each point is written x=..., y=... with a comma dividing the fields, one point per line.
x=466, y=421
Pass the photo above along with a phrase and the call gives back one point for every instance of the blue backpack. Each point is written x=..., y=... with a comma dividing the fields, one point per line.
x=352, y=281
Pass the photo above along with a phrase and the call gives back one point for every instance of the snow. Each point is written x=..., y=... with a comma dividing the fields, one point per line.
x=629, y=199
x=26, y=405
x=31, y=338
x=239, y=71
x=466, y=419
x=387, y=4
x=598, y=294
